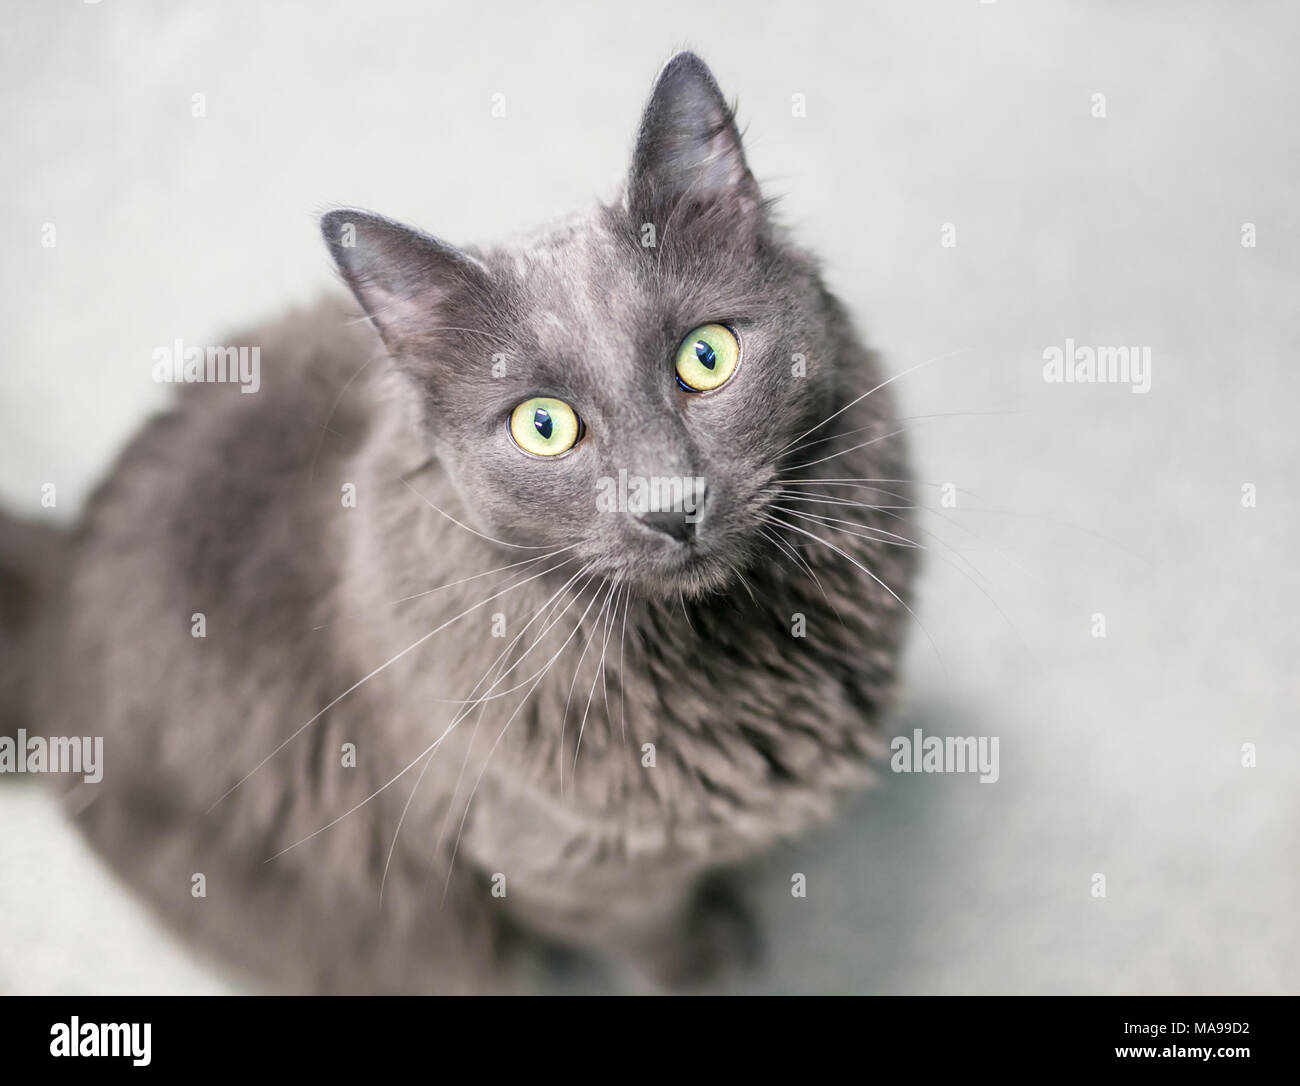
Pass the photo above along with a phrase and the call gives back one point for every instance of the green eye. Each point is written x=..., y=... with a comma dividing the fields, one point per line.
x=707, y=357
x=545, y=427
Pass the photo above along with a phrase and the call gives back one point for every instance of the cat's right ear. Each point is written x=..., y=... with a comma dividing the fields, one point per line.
x=405, y=279
x=688, y=156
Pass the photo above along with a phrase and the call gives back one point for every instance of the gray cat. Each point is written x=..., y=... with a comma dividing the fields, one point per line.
x=517, y=626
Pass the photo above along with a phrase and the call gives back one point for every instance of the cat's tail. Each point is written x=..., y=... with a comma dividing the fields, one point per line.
x=32, y=562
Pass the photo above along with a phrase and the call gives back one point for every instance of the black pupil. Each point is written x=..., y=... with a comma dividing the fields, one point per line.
x=542, y=421
x=705, y=354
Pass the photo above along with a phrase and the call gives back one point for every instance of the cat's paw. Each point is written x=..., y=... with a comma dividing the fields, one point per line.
x=717, y=943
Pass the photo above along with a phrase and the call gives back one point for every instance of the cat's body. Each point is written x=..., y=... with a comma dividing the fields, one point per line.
x=649, y=712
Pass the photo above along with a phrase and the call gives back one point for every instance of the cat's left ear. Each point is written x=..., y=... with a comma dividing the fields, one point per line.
x=688, y=152
x=406, y=280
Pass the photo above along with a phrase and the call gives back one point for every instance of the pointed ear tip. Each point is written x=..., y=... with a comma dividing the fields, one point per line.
x=337, y=215
x=334, y=221
x=686, y=64
x=330, y=223
x=686, y=59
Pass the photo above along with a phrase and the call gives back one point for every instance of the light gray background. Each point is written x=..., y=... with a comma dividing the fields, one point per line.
x=1119, y=756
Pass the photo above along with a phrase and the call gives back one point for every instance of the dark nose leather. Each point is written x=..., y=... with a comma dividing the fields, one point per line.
x=672, y=524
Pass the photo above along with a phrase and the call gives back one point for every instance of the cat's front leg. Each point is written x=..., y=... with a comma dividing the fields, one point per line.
x=707, y=944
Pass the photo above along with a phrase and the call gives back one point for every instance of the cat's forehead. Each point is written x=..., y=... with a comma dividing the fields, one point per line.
x=583, y=291
x=555, y=244
x=570, y=277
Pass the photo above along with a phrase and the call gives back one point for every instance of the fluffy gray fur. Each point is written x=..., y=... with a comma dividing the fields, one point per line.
x=224, y=751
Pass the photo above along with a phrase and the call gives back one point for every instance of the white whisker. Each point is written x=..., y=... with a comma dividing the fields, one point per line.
x=492, y=750
x=472, y=531
x=463, y=580
x=564, y=719
x=599, y=674
x=386, y=664
x=869, y=392
x=481, y=702
x=844, y=554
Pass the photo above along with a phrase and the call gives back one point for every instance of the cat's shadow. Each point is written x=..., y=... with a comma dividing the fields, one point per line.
x=881, y=885
x=885, y=884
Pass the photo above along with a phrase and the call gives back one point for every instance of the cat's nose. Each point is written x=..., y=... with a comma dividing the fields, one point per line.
x=675, y=509
x=674, y=524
